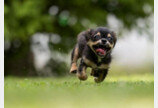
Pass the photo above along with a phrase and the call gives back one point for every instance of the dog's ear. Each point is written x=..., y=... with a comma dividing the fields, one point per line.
x=115, y=37
x=89, y=33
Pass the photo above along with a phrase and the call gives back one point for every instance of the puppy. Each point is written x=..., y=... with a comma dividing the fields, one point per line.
x=94, y=47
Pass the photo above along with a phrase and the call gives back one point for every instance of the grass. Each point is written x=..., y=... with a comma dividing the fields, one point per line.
x=134, y=91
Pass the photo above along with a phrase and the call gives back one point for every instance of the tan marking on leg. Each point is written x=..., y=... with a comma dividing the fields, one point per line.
x=74, y=61
x=73, y=67
x=75, y=55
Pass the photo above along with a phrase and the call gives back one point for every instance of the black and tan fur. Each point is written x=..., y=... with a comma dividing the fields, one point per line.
x=88, y=43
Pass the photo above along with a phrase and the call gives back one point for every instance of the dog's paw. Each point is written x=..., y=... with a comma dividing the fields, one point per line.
x=98, y=80
x=73, y=69
x=82, y=76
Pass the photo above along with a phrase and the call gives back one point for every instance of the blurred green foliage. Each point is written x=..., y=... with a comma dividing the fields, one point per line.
x=23, y=18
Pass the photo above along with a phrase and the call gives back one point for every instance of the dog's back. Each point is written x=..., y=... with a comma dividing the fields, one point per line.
x=81, y=42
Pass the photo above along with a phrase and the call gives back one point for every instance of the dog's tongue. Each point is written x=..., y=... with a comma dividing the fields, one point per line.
x=101, y=51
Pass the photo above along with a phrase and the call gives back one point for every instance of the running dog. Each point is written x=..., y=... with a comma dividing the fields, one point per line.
x=94, y=47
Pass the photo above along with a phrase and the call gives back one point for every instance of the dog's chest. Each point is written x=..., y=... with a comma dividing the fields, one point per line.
x=95, y=65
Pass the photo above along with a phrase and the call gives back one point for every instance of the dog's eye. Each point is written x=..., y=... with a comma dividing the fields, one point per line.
x=96, y=37
x=109, y=38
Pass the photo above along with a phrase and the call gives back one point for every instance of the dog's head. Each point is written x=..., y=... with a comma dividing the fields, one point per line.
x=101, y=40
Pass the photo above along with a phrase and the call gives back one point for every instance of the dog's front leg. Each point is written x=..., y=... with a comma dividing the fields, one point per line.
x=74, y=58
x=81, y=73
x=99, y=75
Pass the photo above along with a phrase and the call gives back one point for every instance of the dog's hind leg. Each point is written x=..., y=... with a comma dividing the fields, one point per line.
x=74, y=58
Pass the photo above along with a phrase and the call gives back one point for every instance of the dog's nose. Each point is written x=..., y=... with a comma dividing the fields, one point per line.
x=104, y=41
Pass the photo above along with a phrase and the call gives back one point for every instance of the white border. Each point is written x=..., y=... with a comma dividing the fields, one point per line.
x=1, y=53
x=155, y=53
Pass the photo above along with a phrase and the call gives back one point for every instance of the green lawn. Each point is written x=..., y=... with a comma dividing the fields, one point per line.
x=134, y=91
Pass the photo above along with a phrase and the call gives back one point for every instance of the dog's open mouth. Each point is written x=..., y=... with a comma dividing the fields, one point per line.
x=101, y=50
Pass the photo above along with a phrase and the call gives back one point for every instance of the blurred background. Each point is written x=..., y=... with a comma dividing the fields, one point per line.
x=40, y=34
